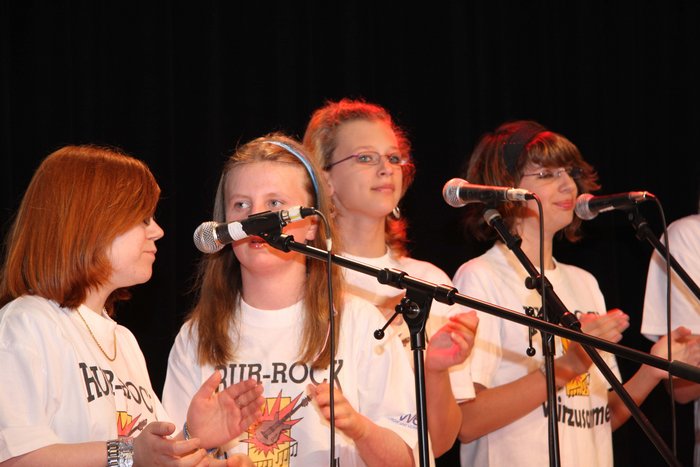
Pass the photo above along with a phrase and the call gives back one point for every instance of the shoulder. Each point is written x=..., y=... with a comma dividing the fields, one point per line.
x=30, y=309
x=575, y=271
x=686, y=230
x=483, y=265
x=423, y=270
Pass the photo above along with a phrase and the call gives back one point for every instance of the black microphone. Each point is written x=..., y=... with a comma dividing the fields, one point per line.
x=458, y=192
x=211, y=236
x=588, y=206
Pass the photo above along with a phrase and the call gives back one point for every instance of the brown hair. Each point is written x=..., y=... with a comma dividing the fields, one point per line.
x=79, y=200
x=487, y=166
x=321, y=140
x=219, y=280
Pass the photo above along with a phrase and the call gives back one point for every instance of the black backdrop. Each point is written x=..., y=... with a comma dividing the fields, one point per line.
x=179, y=85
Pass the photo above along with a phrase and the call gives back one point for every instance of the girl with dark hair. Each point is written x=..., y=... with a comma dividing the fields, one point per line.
x=506, y=423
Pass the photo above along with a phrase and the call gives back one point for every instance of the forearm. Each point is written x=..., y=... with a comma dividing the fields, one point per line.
x=444, y=414
x=496, y=407
x=638, y=387
x=93, y=454
x=380, y=446
x=685, y=391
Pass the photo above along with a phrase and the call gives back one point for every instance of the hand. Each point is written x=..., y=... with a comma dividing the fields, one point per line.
x=685, y=347
x=576, y=361
x=217, y=418
x=347, y=419
x=233, y=460
x=452, y=343
x=152, y=447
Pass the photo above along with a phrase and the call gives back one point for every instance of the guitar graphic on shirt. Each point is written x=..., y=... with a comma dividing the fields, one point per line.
x=269, y=431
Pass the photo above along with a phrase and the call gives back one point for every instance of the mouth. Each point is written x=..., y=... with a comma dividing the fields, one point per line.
x=388, y=188
x=569, y=204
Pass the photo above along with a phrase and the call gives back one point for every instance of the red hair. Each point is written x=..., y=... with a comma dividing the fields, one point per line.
x=79, y=200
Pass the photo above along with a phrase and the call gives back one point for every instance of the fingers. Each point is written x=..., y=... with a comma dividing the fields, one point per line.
x=160, y=428
x=209, y=386
x=469, y=320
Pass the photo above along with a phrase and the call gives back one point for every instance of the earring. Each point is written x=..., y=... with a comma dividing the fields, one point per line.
x=396, y=213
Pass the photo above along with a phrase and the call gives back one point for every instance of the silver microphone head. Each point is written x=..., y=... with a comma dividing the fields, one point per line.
x=582, y=210
x=450, y=192
x=205, y=238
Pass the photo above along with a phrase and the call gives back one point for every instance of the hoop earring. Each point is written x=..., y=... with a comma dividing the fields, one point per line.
x=396, y=213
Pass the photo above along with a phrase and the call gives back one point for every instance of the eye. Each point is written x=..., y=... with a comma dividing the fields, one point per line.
x=545, y=174
x=367, y=158
x=241, y=205
x=147, y=221
x=275, y=203
x=395, y=159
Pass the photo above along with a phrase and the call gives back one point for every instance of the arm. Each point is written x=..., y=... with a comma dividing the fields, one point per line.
x=377, y=446
x=449, y=346
x=496, y=407
x=151, y=448
x=683, y=348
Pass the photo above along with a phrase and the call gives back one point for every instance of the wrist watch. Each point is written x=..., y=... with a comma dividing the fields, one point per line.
x=120, y=452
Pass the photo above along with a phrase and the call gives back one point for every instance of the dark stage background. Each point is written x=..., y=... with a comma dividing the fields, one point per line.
x=179, y=85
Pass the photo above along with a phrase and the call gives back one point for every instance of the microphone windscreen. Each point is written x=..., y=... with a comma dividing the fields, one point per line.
x=205, y=238
x=450, y=192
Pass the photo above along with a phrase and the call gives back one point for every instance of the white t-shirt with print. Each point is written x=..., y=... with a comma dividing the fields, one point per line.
x=58, y=387
x=499, y=357
x=373, y=375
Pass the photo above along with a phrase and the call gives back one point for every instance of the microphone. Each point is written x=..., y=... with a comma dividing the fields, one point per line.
x=588, y=206
x=458, y=192
x=211, y=236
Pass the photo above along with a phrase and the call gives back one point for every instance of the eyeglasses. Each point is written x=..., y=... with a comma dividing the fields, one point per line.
x=551, y=174
x=373, y=158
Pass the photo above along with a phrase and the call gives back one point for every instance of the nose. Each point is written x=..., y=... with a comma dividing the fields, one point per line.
x=155, y=231
x=385, y=167
x=566, y=182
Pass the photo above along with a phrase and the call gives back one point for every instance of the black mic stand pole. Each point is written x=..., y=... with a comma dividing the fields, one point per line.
x=568, y=320
x=643, y=232
x=415, y=308
x=534, y=281
x=450, y=295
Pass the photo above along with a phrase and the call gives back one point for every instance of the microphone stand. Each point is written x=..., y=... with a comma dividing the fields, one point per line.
x=644, y=232
x=450, y=295
x=569, y=321
x=534, y=281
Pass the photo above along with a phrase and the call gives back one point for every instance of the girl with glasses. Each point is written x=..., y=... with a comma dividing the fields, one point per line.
x=368, y=167
x=506, y=424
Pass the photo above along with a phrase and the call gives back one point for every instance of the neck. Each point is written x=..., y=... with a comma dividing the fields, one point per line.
x=362, y=236
x=95, y=300
x=531, y=245
x=274, y=289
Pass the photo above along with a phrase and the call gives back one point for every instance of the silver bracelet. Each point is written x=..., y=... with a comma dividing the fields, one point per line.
x=120, y=452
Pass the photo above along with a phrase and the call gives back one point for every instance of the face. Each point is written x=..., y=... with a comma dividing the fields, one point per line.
x=267, y=186
x=132, y=254
x=361, y=189
x=557, y=191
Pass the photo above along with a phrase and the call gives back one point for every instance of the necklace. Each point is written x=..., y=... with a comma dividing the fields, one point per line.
x=111, y=359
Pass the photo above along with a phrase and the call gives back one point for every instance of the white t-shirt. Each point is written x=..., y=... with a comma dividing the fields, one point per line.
x=58, y=387
x=499, y=357
x=368, y=288
x=374, y=378
x=684, y=245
